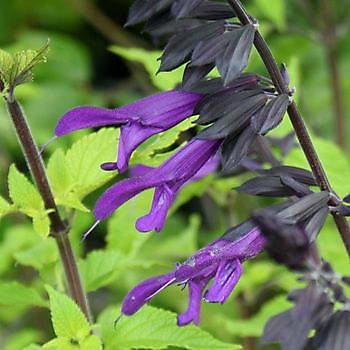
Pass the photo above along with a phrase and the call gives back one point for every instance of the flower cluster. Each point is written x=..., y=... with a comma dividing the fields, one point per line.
x=221, y=261
x=286, y=226
x=236, y=110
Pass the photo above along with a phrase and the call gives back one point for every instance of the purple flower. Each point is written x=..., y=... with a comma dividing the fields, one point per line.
x=138, y=121
x=185, y=165
x=221, y=261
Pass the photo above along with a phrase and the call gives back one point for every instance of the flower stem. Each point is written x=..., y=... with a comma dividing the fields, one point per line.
x=59, y=228
x=295, y=118
x=329, y=41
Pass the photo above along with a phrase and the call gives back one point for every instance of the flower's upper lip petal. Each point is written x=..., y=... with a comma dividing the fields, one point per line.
x=163, y=198
x=140, y=170
x=165, y=109
x=122, y=191
x=185, y=163
x=140, y=294
x=89, y=117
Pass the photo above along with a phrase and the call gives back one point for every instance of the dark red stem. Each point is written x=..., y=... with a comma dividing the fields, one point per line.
x=295, y=118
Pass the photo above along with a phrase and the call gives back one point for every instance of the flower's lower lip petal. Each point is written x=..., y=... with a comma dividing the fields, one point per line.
x=88, y=117
x=131, y=136
x=121, y=192
x=192, y=313
x=163, y=198
x=225, y=280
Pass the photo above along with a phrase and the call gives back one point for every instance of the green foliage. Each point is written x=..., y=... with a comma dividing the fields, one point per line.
x=27, y=199
x=253, y=327
x=16, y=69
x=153, y=328
x=22, y=339
x=273, y=10
x=155, y=150
x=14, y=294
x=149, y=59
x=100, y=268
x=122, y=235
x=72, y=329
x=5, y=207
x=77, y=172
x=39, y=254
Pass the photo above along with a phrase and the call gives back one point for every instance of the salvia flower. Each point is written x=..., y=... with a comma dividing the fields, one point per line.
x=167, y=179
x=138, y=121
x=221, y=261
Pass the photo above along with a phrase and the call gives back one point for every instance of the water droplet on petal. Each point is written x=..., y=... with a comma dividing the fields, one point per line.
x=191, y=261
x=214, y=251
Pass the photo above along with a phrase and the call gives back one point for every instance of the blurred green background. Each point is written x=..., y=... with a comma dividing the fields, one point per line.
x=310, y=37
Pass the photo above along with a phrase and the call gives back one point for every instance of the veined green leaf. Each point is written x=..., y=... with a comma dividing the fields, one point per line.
x=100, y=268
x=5, y=207
x=16, y=69
x=28, y=200
x=14, y=293
x=62, y=182
x=77, y=172
x=83, y=160
x=32, y=347
x=39, y=254
x=22, y=338
x=122, y=235
x=153, y=151
x=67, y=319
x=152, y=328
x=64, y=343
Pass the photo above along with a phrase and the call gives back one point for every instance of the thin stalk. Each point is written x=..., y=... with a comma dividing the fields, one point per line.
x=337, y=95
x=59, y=228
x=329, y=41
x=296, y=120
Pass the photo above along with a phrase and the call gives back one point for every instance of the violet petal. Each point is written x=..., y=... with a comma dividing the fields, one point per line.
x=89, y=117
x=192, y=313
x=226, y=278
x=144, y=291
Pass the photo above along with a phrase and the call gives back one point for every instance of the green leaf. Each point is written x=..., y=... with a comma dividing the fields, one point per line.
x=28, y=200
x=338, y=171
x=84, y=158
x=77, y=172
x=22, y=192
x=17, y=69
x=254, y=326
x=39, y=255
x=64, y=343
x=152, y=328
x=274, y=10
x=32, y=347
x=62, y=182
x=14, y=239
x=14, y=294
x=154, y=150
x=22, y=338
x=122, y=235
x=67, y=319
x=5, y=207
x=100, y=268
x=164, y=81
